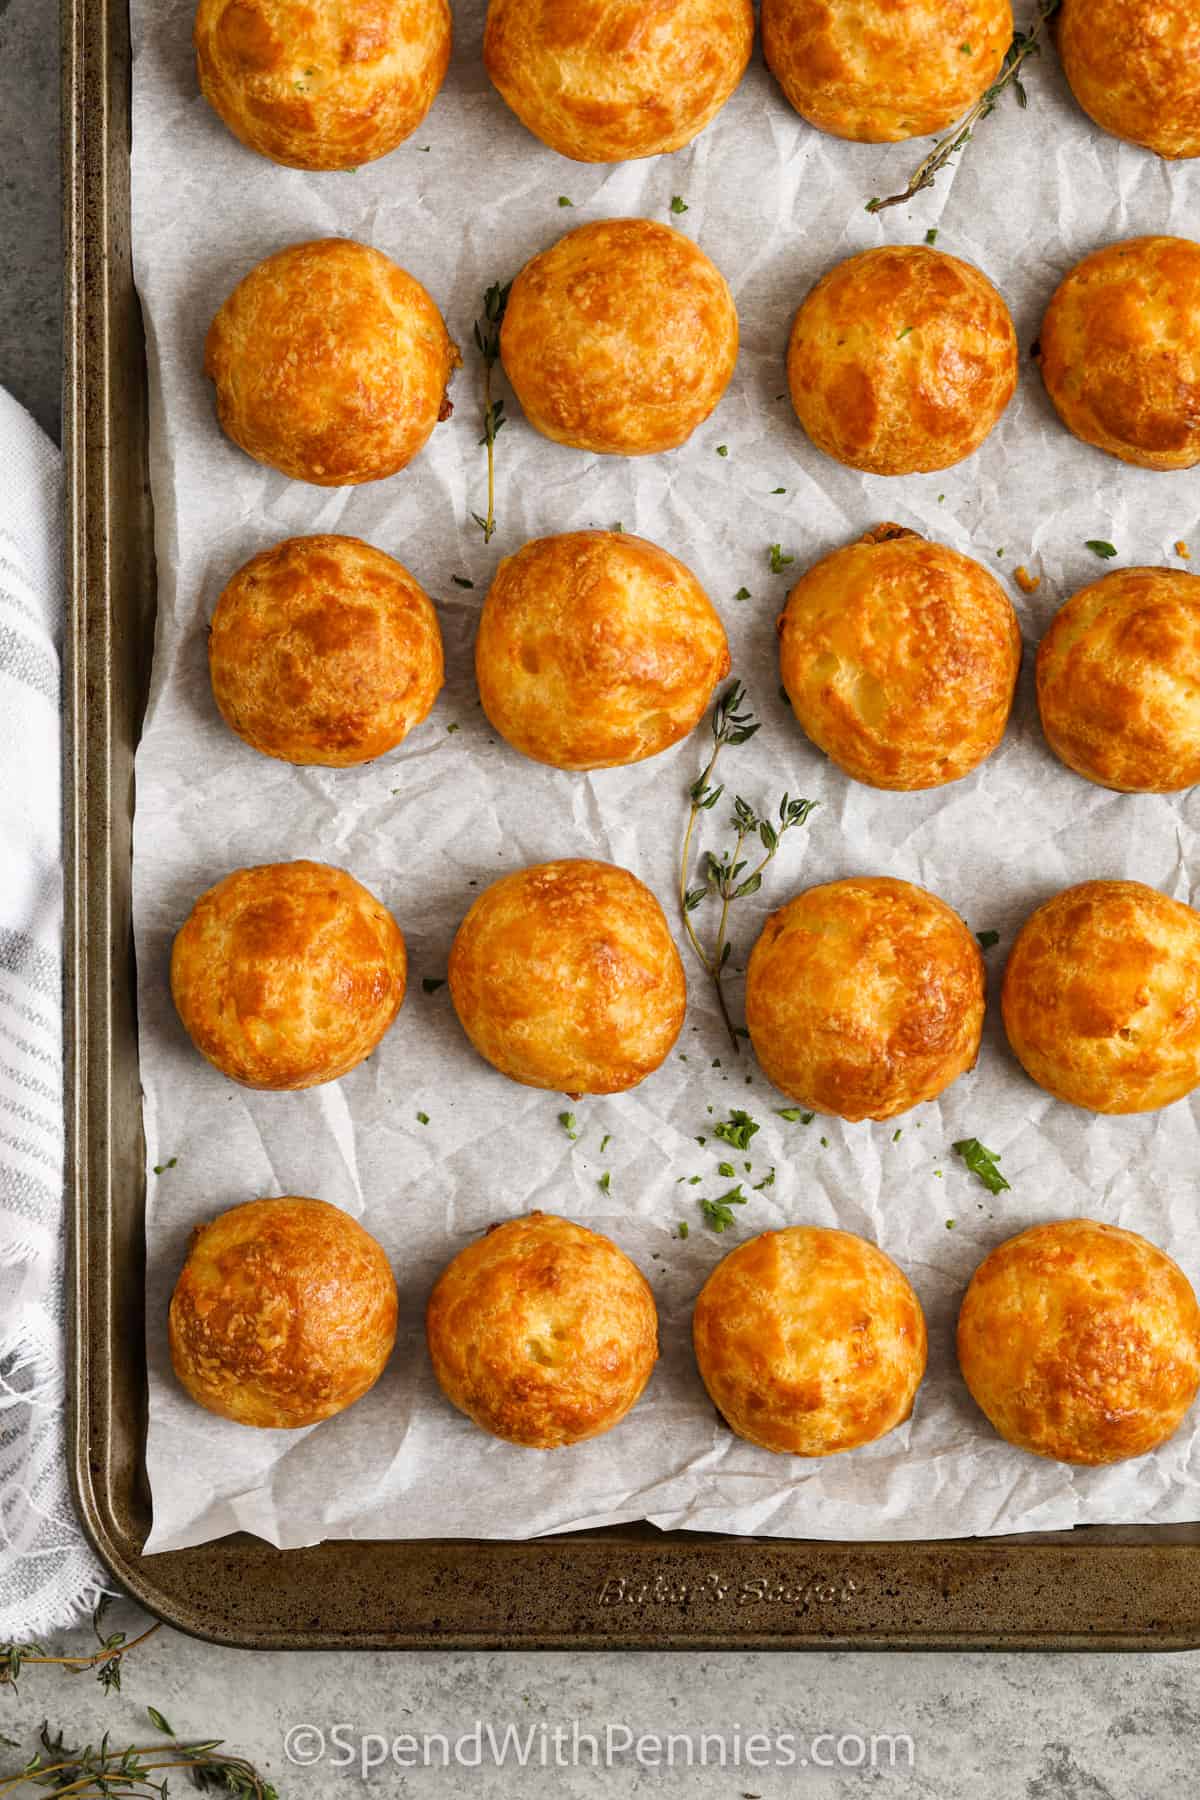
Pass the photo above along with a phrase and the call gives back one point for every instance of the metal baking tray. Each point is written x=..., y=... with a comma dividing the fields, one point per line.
x=627, y=1587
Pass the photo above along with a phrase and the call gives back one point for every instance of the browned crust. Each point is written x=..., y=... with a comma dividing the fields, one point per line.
x=1081, y=1342
x=542, y=1332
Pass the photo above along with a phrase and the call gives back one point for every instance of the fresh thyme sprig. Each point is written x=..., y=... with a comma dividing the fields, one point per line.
x=487, y=342
x=729, y=876
x=106, y=1661
x=137, y=1771
x=1024, y=45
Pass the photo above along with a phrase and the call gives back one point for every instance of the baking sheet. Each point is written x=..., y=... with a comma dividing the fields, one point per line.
x=775, y=204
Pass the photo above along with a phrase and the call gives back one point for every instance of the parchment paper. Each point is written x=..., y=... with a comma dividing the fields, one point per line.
x=463, y=204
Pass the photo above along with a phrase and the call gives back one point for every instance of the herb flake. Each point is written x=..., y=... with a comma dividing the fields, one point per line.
x=982, y=1163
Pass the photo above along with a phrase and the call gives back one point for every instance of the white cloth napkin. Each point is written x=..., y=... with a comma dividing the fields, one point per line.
x=48, y=1574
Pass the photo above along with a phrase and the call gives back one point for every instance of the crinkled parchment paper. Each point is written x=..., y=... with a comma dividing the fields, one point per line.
x=464, y=204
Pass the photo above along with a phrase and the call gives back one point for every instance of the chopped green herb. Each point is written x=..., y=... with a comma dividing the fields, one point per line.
x=794, y=1113
x=982, y=1162
x=158, y=1722
x=767, y=1181
x=896, y=1134
x=422, y=1118
x=161, y=1168
x=694, y=1180
x=452, y=727
x=678, y=205
x=605, y=1141
x=461, y=581
x=824, y=1143
x=780, y=490
x=778, y=561
x=722, y=449
x=431, y=983
x=683, y=1228
x=719, y=1213
x=743, y=593
x=987, y=939
x=964, y=49
x=931, y=236
x=903, y=333
x=703, y=1140
x=737, y=1129
x=564, y=201
x=950, y=1224
x=604, y=1182
x=567, y=1121
x=1099, y=548
x=727, y=1169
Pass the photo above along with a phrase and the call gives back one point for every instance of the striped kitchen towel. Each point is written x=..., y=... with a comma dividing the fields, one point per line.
x=47, y=1572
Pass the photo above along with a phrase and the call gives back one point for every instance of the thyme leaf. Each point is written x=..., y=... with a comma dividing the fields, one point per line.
x=729, y=876
x=983, y=1163
x=1024, y=45
x=487, y=342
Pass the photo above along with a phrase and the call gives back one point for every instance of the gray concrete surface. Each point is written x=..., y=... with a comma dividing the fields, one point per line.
x=1039, y=1728
x=29, y=222
x=991, y=1728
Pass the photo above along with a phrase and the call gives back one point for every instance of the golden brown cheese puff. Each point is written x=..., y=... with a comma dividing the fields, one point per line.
x=620, y=339
x=1101, y=997
x=881, y=70
x=1120, y=351
x=1118, y=681
x=565, y=976
x=324, y=650
x=325, y=86
x=287, y=975
x=542, y=1332
x=1080, y=1342
x=1134, y=66
x=595, y=649
x=865, y=997
x=284, y=1313
x=331, y=364
x=603, y=80
x=809, y=1341
x=900, y=658
x=901, y=360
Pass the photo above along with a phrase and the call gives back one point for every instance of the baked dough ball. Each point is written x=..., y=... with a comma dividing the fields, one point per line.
x=287, y=975
x=620, y=339
x=900, y=658
x=809, y=1341
x=330, y=363
x=882, y=70
x=284, y=1313
x=565, y=976
x=324, y=650
x=865, y=997
x=604, y=80
x=1080, y=1342
x=596, y=648
x=1134, y=66
x=901, y=360
x=1120, y=351
x=542, y=1332
x=1118, y=681
x=322, y=87
x=1101, y=997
